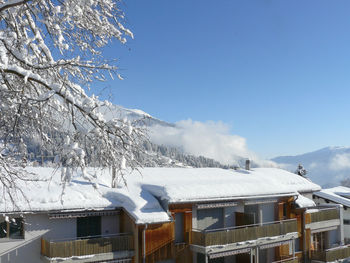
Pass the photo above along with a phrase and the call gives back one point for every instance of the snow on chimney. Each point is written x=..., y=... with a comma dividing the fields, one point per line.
x=247, y=164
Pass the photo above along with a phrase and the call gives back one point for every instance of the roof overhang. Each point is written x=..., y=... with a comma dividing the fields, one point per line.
x=233, y=199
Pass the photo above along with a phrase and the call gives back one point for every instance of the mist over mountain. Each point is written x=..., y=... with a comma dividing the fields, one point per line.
x=212, y=144
x=187, y=142
x=327, y=166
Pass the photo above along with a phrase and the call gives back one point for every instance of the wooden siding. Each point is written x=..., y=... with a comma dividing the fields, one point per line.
x=161, y=253
x=82, y=247
x=181, y=253
x=331, y=254
x=239, y=234
x=180, y=208
x=159, y=236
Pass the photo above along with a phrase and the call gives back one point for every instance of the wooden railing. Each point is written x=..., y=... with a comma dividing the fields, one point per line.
x=331, y=254
x=86, y=246
x=324, y=214
x=242, y=233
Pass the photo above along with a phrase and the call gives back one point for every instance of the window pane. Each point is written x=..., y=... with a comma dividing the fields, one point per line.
x=179, y=227
x=16, y=228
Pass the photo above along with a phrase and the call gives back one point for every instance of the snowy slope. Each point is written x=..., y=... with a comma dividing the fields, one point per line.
x=327, y=166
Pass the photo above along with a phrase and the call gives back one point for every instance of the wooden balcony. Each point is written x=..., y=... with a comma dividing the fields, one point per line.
x=87, y=246
x=332, y=254
x=242, y=233
x=321, y=214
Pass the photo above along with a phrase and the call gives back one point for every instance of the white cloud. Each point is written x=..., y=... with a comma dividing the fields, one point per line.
x=340, y=162
x=314, y=165
x=210, y=139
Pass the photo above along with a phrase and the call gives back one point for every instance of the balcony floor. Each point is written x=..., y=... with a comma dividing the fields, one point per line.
x=91, y=258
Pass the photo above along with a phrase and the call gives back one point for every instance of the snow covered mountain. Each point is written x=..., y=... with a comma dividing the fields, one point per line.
x=327, y=167
x=117, y=111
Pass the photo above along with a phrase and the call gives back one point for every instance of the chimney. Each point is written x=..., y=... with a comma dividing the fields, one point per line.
x=247, y=164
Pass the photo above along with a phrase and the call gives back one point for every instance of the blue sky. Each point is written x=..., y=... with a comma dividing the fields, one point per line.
x=276, y=72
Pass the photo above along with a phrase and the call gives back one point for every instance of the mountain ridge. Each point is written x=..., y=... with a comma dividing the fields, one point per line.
x=328, y=166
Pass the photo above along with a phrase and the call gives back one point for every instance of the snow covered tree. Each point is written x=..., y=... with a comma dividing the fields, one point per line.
x=49, y=53
x=301, y=170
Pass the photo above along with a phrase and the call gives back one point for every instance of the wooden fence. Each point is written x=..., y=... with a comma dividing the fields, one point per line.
x=89, y=246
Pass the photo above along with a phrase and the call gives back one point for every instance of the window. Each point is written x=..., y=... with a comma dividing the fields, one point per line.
x=297, y=244
x=179, y=228
x=11, y=228
x=284, y=210
x=88, y=226
x=318, y=241
x=346, y=221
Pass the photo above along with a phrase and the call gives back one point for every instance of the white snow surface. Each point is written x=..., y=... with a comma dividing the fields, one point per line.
x=304, y=202
x=138, y=198
x=338, y=194
x=195, y=184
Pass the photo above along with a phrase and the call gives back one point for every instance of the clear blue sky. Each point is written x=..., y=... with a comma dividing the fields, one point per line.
x=278, y=72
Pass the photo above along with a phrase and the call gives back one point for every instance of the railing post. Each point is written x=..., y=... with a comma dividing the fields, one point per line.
x=251, y=255
x=341, y=228
x=281, y=228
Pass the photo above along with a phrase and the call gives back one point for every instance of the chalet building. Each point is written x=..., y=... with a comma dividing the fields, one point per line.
x=165, y=215
x=337, y=195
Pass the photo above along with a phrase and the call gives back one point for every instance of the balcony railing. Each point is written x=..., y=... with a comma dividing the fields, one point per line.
x=331, y=254
x=322, y=214
x=242, y=233
x=86, y=246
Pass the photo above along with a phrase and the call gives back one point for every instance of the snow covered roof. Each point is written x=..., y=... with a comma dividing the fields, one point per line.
x=196, y=184
x=339, y=194
x=140, y=197
x=81, y=194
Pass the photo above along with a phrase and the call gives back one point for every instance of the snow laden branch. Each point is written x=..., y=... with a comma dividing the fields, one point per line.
x=50, y=51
